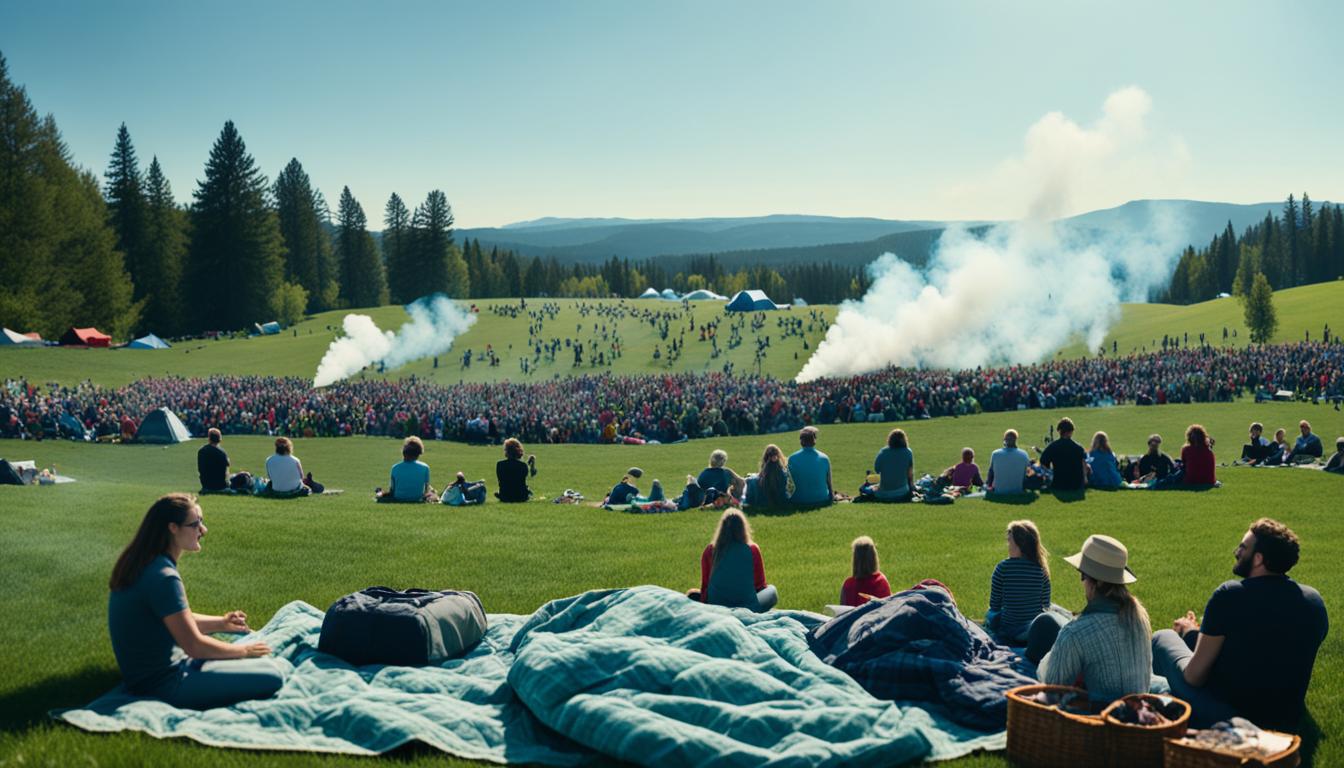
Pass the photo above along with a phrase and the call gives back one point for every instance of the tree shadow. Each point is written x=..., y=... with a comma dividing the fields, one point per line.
x=25, y=707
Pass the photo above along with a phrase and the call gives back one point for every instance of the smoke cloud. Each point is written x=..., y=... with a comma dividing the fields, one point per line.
x=1019, y=291
x=435, y=322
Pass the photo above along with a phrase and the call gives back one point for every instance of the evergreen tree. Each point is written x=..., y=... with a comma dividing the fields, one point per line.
x=401, y=278
x=235, y=266
x=363, y=283
x=125, y=194
x=309, y=261
x=1248, y=266
x=165, y=247
x=1260, y=316
x=438, y=266
x=1290, y=244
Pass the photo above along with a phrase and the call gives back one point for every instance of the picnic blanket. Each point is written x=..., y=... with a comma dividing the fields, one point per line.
x=643, y=675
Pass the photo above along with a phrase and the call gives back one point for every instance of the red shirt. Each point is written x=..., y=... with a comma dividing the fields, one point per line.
x=707, y=565
x=1198, y=461
x=875, y=585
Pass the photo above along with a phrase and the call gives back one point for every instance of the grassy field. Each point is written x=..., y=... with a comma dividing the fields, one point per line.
x=60, y=542
x=297, y=351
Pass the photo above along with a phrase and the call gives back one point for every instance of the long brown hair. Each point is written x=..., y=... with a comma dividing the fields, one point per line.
x=772, y=464
x=1028, y=541
x=733, y=528
x=1132, y=612
x=1197, y=436
x=865, y=557
x=152, y=539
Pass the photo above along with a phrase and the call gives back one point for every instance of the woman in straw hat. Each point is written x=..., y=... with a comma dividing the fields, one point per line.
x=1108, y=648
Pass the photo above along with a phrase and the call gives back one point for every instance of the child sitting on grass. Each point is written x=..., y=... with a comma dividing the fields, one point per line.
x=867, y=582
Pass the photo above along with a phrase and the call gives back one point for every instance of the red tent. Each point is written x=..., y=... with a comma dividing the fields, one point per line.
x=86, y=337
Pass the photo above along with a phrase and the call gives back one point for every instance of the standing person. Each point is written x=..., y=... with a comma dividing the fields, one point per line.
x=410, y=476
x=284, y=471
x=769, y=488
x=1308, y=446
x=732, y=572
x=1155, y=465
x=1197, y=457
x=895, y=463
x=1019, y=590
x=719, y=477
x=1008, y=466
x=1066, y=459
x=1103, y=469
x=1108, y=645
x=866, y=581
x=148, y=619
x=212, y=463
x=512, y=473
x=1254, y=653
x=810, y=471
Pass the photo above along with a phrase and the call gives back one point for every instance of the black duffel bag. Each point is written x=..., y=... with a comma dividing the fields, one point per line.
x=381, y=625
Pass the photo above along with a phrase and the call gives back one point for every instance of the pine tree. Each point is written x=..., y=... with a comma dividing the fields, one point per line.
x=125, y=193
x=438, y=265
x=1260, y=316
x=1248, y=266
x=363, y=283
x=235, y=267
x=401, y=279
x=165, y=247
x=1290, y=244
x=309, y=262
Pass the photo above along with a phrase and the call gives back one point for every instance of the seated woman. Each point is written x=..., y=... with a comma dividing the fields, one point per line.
x=965, y=474
x=410, y=476
x=769, y=487
x=720, y=477
x=1103, y=469
x=895, y=463
x=284, y=472
x=1109, y=645
x=623, y=492
x=1336, y=462
x=149, y=620
x=1197, y=457
x=866, y=582
x=1019, y=590
x=732, y=573
x=512, y=473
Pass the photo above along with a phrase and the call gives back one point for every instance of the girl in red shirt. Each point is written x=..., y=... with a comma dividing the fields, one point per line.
x=1197, y=457
x=868, y=582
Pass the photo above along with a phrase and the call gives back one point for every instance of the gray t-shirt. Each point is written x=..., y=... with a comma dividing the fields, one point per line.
x=1009, y=466
x=894, y=467
x=140, y=640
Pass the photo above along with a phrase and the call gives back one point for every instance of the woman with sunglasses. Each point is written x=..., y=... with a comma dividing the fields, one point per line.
x=165, y=650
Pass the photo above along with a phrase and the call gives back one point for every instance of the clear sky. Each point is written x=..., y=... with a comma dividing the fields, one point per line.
x=519, y=110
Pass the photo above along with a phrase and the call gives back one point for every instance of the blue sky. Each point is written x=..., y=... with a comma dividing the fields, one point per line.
x=519, y=110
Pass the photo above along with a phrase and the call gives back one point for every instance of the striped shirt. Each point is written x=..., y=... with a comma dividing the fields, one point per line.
x=1019, y=591
x=1108, y=656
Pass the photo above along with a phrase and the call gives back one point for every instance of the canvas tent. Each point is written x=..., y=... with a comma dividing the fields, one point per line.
x=10, y=338
x=162, y=426
x=85, y=337
x=704, y=295
x=650, y=293
x=751, y=301
x=148, y=341
x=9, y=475
x=670, y=295
x=71, y=428
x=267, y=329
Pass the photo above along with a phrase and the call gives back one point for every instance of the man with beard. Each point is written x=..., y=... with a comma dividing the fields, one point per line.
x=1253, y=655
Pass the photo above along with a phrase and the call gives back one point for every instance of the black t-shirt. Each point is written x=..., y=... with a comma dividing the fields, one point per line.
x=1271, y=628
x=212, y=463
x=1160, y=464
x=512, y=476
x=1065, y=458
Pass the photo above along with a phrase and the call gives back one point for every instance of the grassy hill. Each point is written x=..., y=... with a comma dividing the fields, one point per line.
x=61, y=542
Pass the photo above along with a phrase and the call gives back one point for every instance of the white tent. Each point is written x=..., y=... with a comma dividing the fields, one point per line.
x=148, y=341
x=704, y=295
x=10, y=338
x=670, y=295
x=162, y=426
x=650, y=293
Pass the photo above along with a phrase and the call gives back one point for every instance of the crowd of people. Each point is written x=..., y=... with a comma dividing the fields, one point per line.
x=666, y=408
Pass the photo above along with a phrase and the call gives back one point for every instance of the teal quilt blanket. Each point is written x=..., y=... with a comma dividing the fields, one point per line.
x=642, y=675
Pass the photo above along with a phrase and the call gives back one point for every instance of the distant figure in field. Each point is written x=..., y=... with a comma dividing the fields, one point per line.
x=149, y=619
x=1008, y=466
x=1066, y=459
x=732, y=572
x=1197, y=457
x=769, y=487
x=512, y=473
x=1103, y=469
x=866, y=581
x=626, y=489
x=1336, y=462
x=1155, y=465
x=284, y=471
x=1279, y=450
x=410, y=476
x=895, y=464
x=1308, y=445
x=1257, y=448
x=810, y=471
x=966, y=473
x=719, y=477
x=212, y=463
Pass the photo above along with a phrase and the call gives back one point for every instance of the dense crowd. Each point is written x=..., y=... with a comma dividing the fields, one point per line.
x=670, y=407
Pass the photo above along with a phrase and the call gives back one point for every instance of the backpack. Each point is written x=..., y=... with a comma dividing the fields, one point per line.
x=381, y=625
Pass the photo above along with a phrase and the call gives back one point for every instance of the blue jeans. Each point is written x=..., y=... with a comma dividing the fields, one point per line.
x=221, y=683
x=1170, y=656
x=1043, y=631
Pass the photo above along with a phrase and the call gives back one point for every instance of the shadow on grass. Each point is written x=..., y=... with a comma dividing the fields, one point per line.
x=1311, y=738
x=1069, y=497
x=1012, y=499
x=25, y=707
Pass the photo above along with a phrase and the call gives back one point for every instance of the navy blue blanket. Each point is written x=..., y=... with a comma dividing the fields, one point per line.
x=916, y=645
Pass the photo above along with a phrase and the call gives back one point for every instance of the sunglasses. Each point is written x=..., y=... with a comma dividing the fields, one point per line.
x=194, y=523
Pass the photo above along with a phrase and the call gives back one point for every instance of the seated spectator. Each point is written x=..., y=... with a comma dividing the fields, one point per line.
x=463, y=493
x=866, y=581
x=1336, y=462
x=212, y=464
x=1254, y=653
x=732, y=573
x=1008, y=466
x=1257, y=449
x=965, y=474
x=284, y=471
x=1155, y=465
x=1197, y=457
x=1308, y=446
x=410, y=476
x=512, y=473
x=1103, y=469
x=149, y=620
x=810, y=471
x=719, y=477
x=1107, y=646
x=1019, y=590
x=895, y=464
x=1065, y=459
x=1279, y=450
x=625, y=490
x=769, y=487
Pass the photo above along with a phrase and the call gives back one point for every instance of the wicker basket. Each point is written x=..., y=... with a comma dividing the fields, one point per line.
x=1041, y=736
x=1129, y=744
x=1177, y=755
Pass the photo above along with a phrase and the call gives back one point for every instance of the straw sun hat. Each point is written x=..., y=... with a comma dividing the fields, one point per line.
x=1104, y=559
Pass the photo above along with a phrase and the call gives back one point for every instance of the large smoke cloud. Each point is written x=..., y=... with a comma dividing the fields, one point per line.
x=1016, y=292
x=435, y=322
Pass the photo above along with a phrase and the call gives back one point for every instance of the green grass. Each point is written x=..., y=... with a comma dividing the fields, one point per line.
x=59, y=544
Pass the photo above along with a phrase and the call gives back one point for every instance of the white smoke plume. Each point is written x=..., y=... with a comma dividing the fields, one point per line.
x=435, y=322
x=1019, y=291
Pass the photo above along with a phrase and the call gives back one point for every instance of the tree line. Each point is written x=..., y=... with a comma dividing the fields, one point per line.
x=1301, y=245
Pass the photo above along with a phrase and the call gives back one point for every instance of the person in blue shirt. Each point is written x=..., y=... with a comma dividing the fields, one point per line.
x=1308, y=445
x=410, y=476
x=810, y=471
x=1104, y=471
x=164, y=649
x=625, y=490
